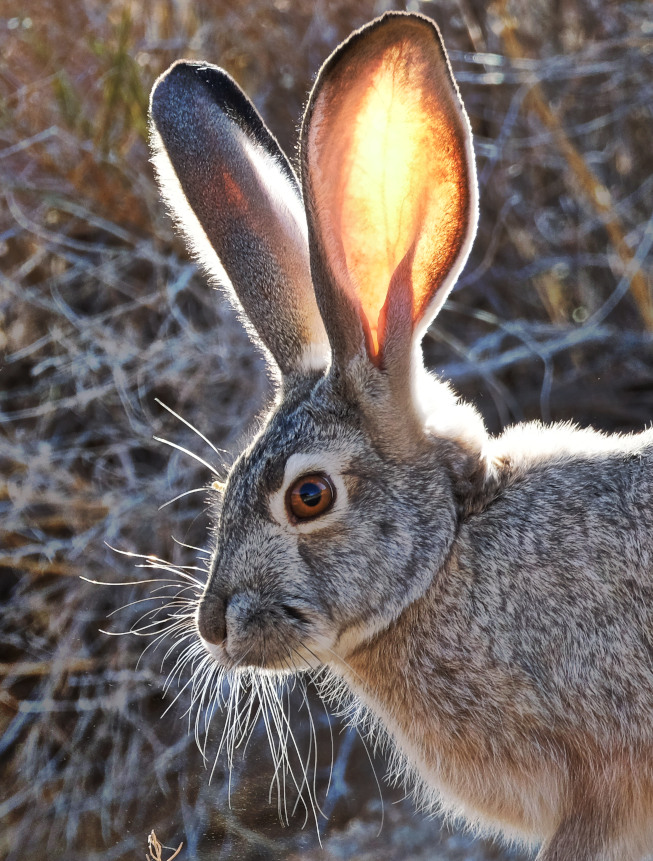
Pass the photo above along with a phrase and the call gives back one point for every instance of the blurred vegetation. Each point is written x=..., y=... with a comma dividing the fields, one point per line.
x=101, y=312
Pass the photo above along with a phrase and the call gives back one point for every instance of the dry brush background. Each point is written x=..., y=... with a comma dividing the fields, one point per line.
x=101, y=312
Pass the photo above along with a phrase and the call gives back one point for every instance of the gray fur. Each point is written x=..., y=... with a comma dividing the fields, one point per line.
x=488, y=600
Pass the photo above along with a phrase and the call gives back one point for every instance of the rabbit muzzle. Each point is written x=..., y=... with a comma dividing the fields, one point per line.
x=251, y=628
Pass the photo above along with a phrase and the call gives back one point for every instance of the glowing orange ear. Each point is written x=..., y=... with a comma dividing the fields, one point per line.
x=389, y=173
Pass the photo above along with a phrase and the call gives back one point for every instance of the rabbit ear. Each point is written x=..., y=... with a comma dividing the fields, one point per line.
x=237, y=199
x=389, y=184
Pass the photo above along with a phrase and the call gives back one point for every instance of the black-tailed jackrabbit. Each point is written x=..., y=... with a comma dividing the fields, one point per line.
x=489, y=600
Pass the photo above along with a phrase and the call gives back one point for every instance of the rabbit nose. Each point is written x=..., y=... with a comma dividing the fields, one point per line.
x=212, y=619
x=219, y=615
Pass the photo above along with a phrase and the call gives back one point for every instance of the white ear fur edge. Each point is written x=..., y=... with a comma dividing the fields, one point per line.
x=288, y=208
x=184, y=217
x=304, y=463
x=434, y=306
x=423, y=389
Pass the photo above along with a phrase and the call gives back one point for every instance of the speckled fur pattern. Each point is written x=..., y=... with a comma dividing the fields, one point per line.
x=488, y=601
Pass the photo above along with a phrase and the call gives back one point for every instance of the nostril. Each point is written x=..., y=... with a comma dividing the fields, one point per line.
x=211, y=621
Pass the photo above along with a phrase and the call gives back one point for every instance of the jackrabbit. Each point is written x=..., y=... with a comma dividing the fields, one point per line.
x=488, y=600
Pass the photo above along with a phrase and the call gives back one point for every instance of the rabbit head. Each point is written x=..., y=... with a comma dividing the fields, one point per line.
x=344, y=506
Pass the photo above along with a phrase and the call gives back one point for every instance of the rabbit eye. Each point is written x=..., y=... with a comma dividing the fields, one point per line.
x=310, y=496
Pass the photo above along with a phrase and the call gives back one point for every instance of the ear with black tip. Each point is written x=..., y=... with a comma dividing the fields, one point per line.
x=390, y=187
x=236, y=198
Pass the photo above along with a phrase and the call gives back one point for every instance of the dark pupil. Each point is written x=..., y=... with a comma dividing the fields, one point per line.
x=310, y=493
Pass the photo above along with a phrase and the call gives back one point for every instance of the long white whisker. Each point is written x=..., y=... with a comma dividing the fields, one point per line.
x=201, y=550
x=211, y=681
x=160, y=565
x=181, y=599
x=158, y=639
x=283, y=721
x=326, y=712
x=185, y=654
x=148, y=629
x=147, y=556
x=278, y=749
x=180, y=692
x=187, y=451
x=218, y=451
x=307, y=703
x=181, y=496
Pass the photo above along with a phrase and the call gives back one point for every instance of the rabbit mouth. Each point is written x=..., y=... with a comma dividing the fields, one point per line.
x=263, y=656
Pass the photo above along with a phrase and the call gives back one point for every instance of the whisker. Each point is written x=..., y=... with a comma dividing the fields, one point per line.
x=159, y=638
x=314, y=733
x=218, y=451
x=202, y=550
x=131, y=554
x=289, y=687
x=183, y=601
x=188, y=653
x=283, y=721
x=153, y=562
x=162, y=565
x=212, y=679
x=213, y=696
x=181, y=496
x=142, y=631
x=187, y=451
x=314, y=745
x=181, y=690
x=278, y=746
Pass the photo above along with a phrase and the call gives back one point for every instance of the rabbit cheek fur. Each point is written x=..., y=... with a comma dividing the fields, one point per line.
x=488, y=600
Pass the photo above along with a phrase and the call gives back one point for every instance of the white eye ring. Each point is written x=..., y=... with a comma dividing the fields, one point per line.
x=328, y=463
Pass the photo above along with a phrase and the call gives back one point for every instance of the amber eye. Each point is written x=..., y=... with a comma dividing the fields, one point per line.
x=310, y=496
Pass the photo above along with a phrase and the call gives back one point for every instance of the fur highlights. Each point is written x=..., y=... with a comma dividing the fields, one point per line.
x=487, y=601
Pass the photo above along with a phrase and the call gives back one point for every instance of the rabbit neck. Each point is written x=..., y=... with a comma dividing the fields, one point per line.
x=430, y=703
x=469, y=680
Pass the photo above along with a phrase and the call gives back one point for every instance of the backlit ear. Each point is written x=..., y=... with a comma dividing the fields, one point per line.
x=237, y=199
x=389, y=183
